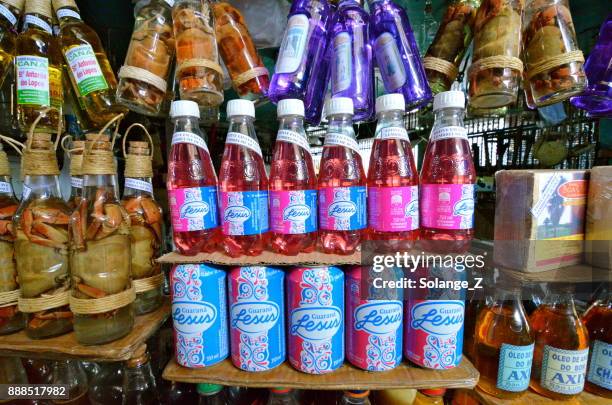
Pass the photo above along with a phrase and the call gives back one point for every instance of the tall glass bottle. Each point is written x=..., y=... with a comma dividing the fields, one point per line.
x=243, y=185
x=393, y=181
x=211, y=394
x=282, y=396
x=72, y=374
x=448, y=177
x=106, y=387
x=192, y=184
x=351, y=68
x=342, y=183
x=38, y=70
x=397, y=53
x=355, y=398
x=76, y=176
x=91, y=75
x=139, y=386
x=504, y=345
x=41, y=242
x=293, y=184
x=598, y=321
x=10, y=12
x=561, y=347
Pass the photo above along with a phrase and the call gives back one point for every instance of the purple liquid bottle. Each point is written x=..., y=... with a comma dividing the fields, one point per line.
x=351, y=70
x=597, y=98
x=301, y=68
x=397, y=53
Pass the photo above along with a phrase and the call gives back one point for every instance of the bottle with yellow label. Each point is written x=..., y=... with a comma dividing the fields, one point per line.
x=38, y=69
x=10, y=11
x=90, y=72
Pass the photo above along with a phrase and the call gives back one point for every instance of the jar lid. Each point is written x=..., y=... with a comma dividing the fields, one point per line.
x=184, y=108
x=209, y=388
x=240, y=107
x=340, y=105
x=390, y=102
x=434, y=392
x=290, y=106
x=449, y=99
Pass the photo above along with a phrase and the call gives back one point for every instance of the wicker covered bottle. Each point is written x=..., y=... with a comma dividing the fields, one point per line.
x=145, y=224
x=143, y=78
x=10, y=10
x=102, y=292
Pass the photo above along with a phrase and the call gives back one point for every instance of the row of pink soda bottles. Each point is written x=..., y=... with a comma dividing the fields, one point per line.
x=252, y=212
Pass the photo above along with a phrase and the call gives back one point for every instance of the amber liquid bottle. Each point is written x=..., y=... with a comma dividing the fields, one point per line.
x=503, y=345
x=598, y=321
x=561, y=348
x=38, y=70
x=10, y=11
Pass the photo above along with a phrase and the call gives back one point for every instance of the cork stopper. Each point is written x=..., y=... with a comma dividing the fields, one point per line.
x=57, y=4
x=76, y=158
x=140, y=357
x=39, y=156
x=42, y=7
x=98, y=155
x=138, y=160
x=18, y=4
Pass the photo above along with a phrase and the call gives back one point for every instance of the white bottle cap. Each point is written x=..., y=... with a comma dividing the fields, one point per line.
x=290, y=106
x=339, y=105
x=390, y=102
x=184, y=108
x=240, y=107
x=449, y=99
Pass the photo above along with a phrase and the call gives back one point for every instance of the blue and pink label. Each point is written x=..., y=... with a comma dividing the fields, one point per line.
x=393, y=209
x=293, y=212
x=342, y=208
x=447, y=206
x=193, y=209
x=244, y=212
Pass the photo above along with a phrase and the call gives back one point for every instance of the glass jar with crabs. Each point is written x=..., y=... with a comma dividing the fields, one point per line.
x=145, y=223
x=102, y=292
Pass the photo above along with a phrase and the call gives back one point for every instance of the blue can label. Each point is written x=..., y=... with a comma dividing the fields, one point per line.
x=293, y=212
x=343, y=208
x=563, y=371
x=600, y=367
x=514, y=367
x=244, y=212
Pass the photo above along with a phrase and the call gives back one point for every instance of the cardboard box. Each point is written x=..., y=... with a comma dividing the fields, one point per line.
x=598, y=244
x=539, y=218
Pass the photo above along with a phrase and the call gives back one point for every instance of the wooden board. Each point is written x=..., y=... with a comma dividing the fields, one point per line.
x=61, y=347
x=533, y=398
x=580, y=273
x=265, y=259
x=347, y=377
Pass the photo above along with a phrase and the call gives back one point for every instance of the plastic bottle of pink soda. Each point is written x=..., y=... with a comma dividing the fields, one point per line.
x=342, y=183
x=393, y=182
x=293, y=184
x=448, y=178
x=192, y=184
x=243, y=185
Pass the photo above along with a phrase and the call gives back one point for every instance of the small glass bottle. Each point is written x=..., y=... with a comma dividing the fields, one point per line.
x=561, y=347
x=91, y=74
x=430, y=397
x=38, y=70
x=143, y=78
x=139, y=386
x=71, y=374
x=282, y=396
x=76, y=176
x=504, y=345
x=198, y=72
x=10, y=11
x=355, y=398
x=250, y=77
x=598, y=321
x=211, y=394
x=429, y=28
x=106, y=388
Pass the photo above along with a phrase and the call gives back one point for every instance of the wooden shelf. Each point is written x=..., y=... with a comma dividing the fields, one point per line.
x=533, y=398
x=61, y=347
x=265, y=259
x=347, y=377
x=579, y=273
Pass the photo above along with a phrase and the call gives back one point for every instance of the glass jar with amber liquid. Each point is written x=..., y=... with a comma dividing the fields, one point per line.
x=561, y=347
x=504, y=345
x=598, y=321
x=10, y=11
x=38, y=70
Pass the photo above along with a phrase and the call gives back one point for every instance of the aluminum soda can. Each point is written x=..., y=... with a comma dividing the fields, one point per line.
x=315, y=308
x=257, y=317
x=199, y=314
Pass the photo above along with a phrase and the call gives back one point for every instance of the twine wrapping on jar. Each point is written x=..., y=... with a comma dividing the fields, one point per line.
x=249, y=74
x=497, y=62
x=447, y=68
x=9, y=298
x=143, y=75
x=38, y=158
x=138, y=165
x=554, y=62
x=29, y=305
x=57, y=4
x=91, y=306
x=189, y=63
x=149, y=283
x=5, y=167
x=42, y=7
x=98, y=154
x=18, y=4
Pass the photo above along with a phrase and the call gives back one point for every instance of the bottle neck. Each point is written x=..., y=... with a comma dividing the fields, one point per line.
x=293, y=123
x=10, y=15
x=42, y=186
x=93, y=182
x=243, y=124
x=6, y=187
x=447, y=117
x=67, y=15
x=139, y=377
x=389, y=119
x=341, y=123
x=138, y=186
x=562, y=301
x=187, y=124
x=37, y=22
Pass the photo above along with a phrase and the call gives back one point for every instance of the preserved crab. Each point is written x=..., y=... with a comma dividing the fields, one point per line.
x=11, y=319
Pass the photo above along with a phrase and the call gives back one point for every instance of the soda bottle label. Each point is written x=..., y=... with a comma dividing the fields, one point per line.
x=244, y=212
x=389, y=61
x=6, y=187
x=85, y=69
x=447, y=206
x=189, y=137
x=342, y=208
x=340, y=139
x=342, y=64
x=599, y=366
x=294, y=44
x=448, y=132
x=563, y=371
x=296, y=138
x=141, y=185
x=393, y=133
x=32, y=80
x=193, y=209
x=236, y=138
x=293, y=212
x=514, y=367
x=393, y=209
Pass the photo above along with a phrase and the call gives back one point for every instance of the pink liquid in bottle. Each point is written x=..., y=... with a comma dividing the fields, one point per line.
x=447, y=178
x=393, y=193
x=192, y=184
x=293, y=185
x=243, y=185
x=342, y=183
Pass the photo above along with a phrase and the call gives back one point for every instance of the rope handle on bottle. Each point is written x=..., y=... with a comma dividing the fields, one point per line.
x=127, y=132
x=15, y=144
x=116, y=120
x=41, y=115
